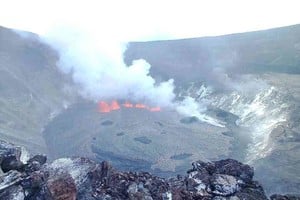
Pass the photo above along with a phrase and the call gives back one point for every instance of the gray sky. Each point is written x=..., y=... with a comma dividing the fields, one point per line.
x=143, y=20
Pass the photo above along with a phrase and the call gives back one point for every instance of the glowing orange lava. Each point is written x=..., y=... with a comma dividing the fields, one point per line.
x=128, y=105
x=114, y=105
x=139, y=105
x=106, y=107
x=103, y=107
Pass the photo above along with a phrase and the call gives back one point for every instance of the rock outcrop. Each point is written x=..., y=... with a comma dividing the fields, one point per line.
x=82, y=178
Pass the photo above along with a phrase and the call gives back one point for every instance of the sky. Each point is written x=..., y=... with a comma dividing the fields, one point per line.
x=150, y=20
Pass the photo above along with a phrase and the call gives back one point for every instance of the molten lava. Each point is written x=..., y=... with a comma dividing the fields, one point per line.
x=128, y=105
x=106, y=107
x=114, y=105
x=142, y=106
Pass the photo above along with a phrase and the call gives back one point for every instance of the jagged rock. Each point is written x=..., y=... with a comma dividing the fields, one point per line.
x=11, y=163
x=41, y=158
x=126, y=185
x=62, y=187
x=234, y=168
x=224, y=185
x=9, y=179
x=227, y=166
x=35, y=163
x=33, y=166
x=8, y=149
x=223, y=178
x=10, y=157
x=203, y=167
x=81, y=178
x=138, y=192
x=252, y=191
x=198, y=182
x=79, y=169
x=15, y=192
x=34, y=185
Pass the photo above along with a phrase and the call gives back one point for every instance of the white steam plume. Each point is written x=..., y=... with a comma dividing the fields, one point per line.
x=97, y=66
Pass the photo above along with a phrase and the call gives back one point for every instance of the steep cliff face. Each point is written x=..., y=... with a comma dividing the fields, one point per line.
x=32, y=91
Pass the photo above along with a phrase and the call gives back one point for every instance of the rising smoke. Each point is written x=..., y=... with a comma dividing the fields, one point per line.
x=97, y=68
x=96, y=64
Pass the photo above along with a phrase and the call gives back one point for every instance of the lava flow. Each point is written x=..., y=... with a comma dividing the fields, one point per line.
x=106, y=107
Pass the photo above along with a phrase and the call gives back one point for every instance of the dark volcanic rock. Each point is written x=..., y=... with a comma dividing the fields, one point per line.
x=234, y=168
x=13, y=193
x=251, y=191
x=34, y=185
x=107, y=123
x=110, y=183
x=35, y=163
x=228, y=166
x=41, y=159
x=11, y=163
x=81, y=178
x=189, y=120
x=224, y=185
x=10, y=157
x=143, y=139
x=285, y=197
x=224, y=178
x=62, y=187
x=9, y=179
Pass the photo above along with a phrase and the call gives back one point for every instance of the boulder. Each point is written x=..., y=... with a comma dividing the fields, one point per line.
x=224, y=179
x=234, y=168
x=35, y=163
x=10, y=157
x=62, y=187
x=224, y=185
x=40, y=158
x=11, y=162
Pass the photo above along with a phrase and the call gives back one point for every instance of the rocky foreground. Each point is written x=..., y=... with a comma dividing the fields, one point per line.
x=82, y=178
